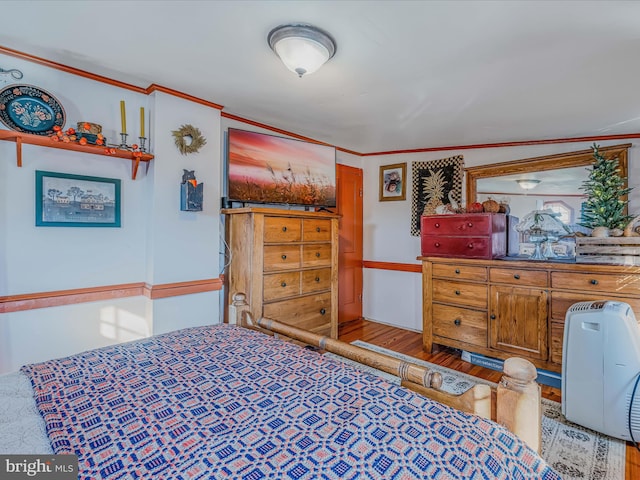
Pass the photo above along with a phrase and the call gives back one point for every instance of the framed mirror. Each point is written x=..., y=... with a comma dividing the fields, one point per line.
x=549, y=182
x=530, y=183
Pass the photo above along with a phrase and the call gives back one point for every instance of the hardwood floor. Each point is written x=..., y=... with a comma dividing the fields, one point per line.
x=410, y=343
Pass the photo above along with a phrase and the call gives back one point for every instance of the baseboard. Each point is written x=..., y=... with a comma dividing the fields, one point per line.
x=391, y=325
x=553, y=379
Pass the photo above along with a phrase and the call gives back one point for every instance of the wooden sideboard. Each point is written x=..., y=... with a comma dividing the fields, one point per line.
x=286, y=262
x=502, y=308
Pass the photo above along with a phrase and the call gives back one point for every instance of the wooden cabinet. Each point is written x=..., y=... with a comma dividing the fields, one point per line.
x=502, y=308
x=518, y=321
x=471, y=235
x=286, y=262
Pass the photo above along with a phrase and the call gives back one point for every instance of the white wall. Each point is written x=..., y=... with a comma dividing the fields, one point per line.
x=159, y=244
x=156, y=244
x=395, y=297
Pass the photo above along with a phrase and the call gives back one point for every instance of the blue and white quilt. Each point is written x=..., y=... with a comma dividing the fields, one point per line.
x=224, y=402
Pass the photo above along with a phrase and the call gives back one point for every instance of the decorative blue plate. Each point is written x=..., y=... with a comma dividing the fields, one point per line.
x=29, y=109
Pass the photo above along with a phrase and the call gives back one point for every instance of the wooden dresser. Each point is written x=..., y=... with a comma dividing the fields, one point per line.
x=502, y=308
x=286, y=262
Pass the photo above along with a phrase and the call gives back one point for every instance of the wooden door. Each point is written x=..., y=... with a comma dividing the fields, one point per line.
x=349, y=200
x=518, y=319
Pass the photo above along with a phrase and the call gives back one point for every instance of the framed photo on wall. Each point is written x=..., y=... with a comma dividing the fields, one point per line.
x=393, y=182
x=65, y=200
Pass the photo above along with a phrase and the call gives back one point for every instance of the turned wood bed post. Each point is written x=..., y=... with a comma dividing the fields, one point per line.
x=519, y=401
x=237, y=310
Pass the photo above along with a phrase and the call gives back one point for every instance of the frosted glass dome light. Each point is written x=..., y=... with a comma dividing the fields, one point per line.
x=302, y=48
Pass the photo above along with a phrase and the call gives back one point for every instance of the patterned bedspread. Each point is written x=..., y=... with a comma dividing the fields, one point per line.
x=226, y=402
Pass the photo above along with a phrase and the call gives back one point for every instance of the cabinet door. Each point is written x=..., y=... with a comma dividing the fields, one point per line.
x=518, y=321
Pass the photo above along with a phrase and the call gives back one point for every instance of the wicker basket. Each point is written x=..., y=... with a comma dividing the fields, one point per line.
x=610, y=250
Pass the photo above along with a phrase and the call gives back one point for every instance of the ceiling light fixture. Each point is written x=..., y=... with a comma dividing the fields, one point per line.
x=528, y=183
x=302, y=48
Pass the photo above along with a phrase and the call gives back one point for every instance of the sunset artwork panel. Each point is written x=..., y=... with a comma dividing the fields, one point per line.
x=269, y=169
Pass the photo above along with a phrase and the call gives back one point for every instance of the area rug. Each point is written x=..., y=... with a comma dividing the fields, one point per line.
x=575, y=452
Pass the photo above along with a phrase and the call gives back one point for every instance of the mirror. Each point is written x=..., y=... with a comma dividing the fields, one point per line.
x=549, y=182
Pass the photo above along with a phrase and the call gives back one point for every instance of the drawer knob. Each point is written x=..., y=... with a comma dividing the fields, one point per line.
x=437, y=244
x=318, y=229
x=469, y=224
x=437, y=225
x=317, y=279
x=493, y=317
x=283, y=284
x=318, y=254
x=470, y=245
x=516, y=276
x=594, y=282
x=284, y=257
x=457, y=322
x=322, y=311
x=457, y=292
x=457, y=270
x=284, y=229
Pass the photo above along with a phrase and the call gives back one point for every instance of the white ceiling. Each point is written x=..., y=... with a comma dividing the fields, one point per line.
x=406, y=75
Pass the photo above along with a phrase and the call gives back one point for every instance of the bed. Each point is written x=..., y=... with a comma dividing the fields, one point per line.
x=225, y=401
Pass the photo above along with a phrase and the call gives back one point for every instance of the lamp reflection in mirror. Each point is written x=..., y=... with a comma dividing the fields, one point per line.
x=302, y=48
x=528, y=183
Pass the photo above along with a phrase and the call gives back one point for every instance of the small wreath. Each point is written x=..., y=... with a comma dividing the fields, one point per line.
x=197, y=141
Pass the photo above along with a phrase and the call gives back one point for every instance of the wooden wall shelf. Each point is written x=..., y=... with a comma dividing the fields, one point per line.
x=45, y=141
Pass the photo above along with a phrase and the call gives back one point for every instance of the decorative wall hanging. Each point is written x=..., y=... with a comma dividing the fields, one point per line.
x=435, y=183
x=188, y=139
x=29, y=109
x=393, y=182
x=191, y=192
x=64, y=200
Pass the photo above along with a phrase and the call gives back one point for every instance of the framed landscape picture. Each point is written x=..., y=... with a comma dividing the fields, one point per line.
x=393, y=182
x=65, y=200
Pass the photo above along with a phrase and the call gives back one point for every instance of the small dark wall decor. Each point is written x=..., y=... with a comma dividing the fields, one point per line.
x=191, y=192
x=435, y=183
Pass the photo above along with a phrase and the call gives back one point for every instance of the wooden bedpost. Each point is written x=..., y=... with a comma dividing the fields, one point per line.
x=238, y=311
x=519, y=406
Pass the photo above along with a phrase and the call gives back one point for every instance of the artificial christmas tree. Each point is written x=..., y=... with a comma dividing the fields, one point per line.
x=606, y=195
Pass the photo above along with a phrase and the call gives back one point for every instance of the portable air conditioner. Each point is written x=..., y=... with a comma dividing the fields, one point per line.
x=600, y=367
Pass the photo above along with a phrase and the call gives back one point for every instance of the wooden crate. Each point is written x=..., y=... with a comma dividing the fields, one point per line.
x=611, y=250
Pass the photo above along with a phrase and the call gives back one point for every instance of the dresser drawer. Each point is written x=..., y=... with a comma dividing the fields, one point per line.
x=460, y=272
x=597, y=282
x=514, y=276
x=469, y=326
x=562, y=301
x=467, y=247
x=316, y=255
x=316, y=230
x=460, y=293
x=312, y=312
x=282, y=229
x=281, y=285
x=466, y=225
x=316, y=280
x=281, y=257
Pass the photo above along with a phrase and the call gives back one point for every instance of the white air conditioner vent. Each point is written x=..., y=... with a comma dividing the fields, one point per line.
x=583, y=306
